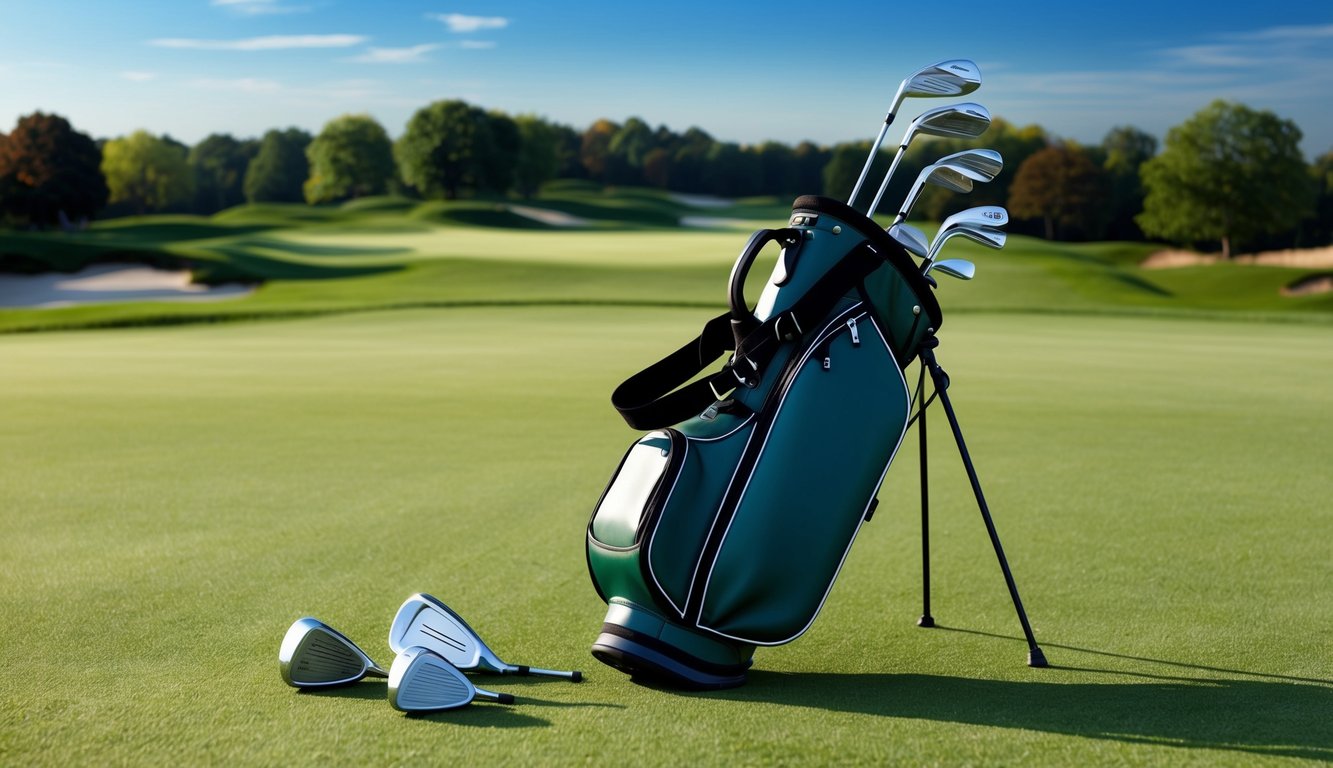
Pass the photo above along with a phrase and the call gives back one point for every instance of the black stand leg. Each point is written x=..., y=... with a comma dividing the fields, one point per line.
x=926, y=619
x=941, y=380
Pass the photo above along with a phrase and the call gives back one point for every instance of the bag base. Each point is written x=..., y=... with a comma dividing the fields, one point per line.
x=651, y=649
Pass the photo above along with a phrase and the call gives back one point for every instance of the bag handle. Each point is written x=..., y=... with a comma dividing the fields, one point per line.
x=791, y=240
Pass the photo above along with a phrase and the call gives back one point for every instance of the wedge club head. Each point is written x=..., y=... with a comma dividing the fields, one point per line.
x=987, y=236
x=967, y=120
x=423, y=681
x=958, y=172
x=959, y=268
x=981, y=216
x=315, y=655
x=910, y=238
x=425, y=621
x=956, y=77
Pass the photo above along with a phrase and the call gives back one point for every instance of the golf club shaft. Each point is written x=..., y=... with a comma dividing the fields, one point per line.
x=897, y=158
x=499, y=698
x=874, y=150
x=520, y=669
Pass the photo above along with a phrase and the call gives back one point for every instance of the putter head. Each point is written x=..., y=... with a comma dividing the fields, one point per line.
x=911, y=239
x=425, y=621
x=315, y=655
x=959, y=268
x=956, y=77
x=956, y=121
x=422, y=681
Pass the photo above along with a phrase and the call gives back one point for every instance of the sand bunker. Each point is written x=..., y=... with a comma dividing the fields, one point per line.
x=549, y=217
x=1307, y=258
x=104, y=283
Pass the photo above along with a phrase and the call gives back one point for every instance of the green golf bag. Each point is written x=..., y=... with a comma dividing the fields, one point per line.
x=725, y=525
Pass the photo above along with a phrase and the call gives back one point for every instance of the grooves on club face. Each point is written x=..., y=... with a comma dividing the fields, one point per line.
x=315, y=655
x=423, y=681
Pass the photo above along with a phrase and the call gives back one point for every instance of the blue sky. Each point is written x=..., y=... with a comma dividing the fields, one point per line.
x=744, y=71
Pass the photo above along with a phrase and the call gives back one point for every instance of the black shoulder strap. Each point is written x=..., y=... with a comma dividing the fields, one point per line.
x=650, y=399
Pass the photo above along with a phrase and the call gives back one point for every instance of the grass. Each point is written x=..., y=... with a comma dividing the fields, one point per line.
x=175, y=497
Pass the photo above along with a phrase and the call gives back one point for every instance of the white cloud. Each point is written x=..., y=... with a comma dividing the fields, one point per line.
x=139, y=77
x=259, y=7
x=268, y=43
x=242, y=84
x=412, y=55
x=457, y=22
x=477, y=44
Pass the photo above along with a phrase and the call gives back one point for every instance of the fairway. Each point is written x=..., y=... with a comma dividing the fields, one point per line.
x=173, y=498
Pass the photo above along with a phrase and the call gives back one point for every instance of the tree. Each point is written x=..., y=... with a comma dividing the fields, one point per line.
x=1063, y=187
x=538, y=154
x=844, y=167
x=147, y=172
x=351, y=157
x=777, y=167
x=810, y=161
x=452, y=146
x=627, y=151
x=1229, y=173
x=46, y=168
x=279, y=169
x=220, y=163
x=1126, y=149
x=595, y=148
x=1015, y=144
x=1317, y=230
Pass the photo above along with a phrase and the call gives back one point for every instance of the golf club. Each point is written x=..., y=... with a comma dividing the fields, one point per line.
x=987, y=236
x=315, y=655
x=425, y=621
x=910, y=238
x=957, y=172
x=423, y=681
x=957, y=77
x=959, y=268
x=954, y=121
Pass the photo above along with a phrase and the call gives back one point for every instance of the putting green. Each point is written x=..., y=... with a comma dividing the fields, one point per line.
x=173, y=498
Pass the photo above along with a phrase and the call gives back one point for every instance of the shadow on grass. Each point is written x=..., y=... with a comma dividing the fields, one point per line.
x=1272, y=715
x=478, y=714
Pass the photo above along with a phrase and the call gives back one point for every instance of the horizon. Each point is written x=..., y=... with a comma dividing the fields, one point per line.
x=742, y=73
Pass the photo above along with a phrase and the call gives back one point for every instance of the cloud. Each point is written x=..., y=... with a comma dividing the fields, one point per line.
x=259, y=7
x=269, y=43
x=139, y=77
x=457, y=22
x=412, y=55
x=477, y=44
x=243, y=84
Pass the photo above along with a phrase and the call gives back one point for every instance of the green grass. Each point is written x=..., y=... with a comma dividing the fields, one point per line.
x=175, y=497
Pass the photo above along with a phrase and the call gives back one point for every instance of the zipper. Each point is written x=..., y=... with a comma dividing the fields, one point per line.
x=768, y=410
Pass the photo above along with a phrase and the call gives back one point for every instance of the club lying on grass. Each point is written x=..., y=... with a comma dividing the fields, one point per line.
x=423, y=681
x=959, y=121
x=425, y=621
x=957, y=77
x=315, y=655
x=957, y=172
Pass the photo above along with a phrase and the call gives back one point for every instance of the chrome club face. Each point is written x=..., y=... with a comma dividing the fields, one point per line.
x=425, y=621
x=954, y=121
x=911, y=239
x=959, y=268
x=423, y=681
x=981, y=216
x=956, y=77
x=987, y=236
x=315, y=655
x=957, y=172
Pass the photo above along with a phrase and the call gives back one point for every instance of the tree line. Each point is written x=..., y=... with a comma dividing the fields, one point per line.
x=1228, y=174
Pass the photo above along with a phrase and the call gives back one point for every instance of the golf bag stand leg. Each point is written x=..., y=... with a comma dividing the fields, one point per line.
x=926, y=619
x=941, y=381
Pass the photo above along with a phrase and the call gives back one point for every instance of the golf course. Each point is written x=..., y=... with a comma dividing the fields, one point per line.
x=414, y=397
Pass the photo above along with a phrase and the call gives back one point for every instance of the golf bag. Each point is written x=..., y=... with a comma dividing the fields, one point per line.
x=725, y=526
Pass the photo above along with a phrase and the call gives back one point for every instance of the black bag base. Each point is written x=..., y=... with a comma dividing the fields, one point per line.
x=631, y=653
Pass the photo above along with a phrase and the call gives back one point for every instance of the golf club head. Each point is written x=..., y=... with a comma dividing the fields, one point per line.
x=987, y=236
x=423, y=681
x=315, y=655
x=955, y=121
x=959, y=268
x=424, y=620
x=984, y=164
x=954, y=179
x=981, y=216
x=911, y=239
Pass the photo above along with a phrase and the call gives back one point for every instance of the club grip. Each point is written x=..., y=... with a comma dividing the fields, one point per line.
x=504, y=698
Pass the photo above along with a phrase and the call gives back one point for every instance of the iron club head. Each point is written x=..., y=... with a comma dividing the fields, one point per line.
x=981, y=216
x=959, y=268
x=987, y=236
x=315, y=655
x=911, y=239
x=425, y=621
x=967, y=120
x=423, y=681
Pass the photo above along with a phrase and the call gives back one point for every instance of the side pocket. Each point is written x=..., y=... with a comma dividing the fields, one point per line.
x=649, y=465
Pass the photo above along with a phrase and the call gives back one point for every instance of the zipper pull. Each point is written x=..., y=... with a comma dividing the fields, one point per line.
x=856, y=335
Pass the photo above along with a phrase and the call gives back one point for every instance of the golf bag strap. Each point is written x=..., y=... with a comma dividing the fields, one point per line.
x=654, y=398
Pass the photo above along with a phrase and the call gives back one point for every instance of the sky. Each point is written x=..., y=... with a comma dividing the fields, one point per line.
x=743, y=71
